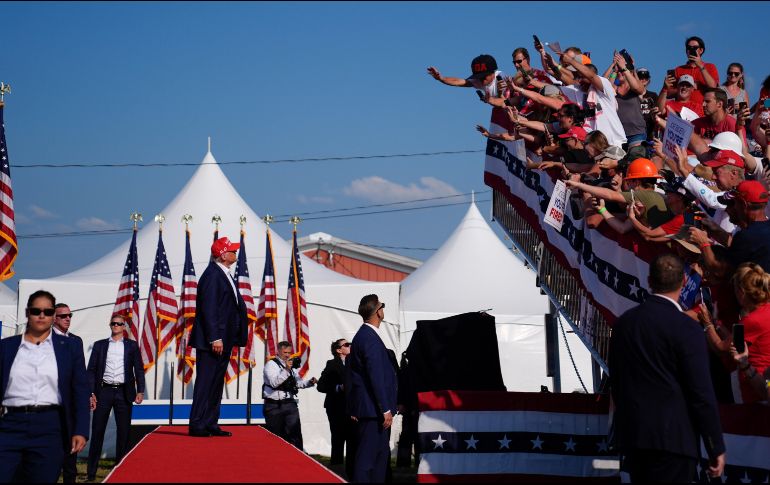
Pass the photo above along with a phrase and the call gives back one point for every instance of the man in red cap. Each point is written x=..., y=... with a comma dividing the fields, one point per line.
x=746, y=206
x=220, y=324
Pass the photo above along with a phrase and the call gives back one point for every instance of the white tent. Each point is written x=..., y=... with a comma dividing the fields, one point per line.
x=332, y=298
x=473, y=270
x=8, y=303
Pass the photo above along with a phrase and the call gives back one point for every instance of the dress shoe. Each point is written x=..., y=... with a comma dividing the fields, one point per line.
x=199, y=434
x=220, y=432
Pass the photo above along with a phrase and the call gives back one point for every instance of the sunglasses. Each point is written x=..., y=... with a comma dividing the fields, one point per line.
x=64, y=315
x=117, y=324
x=346, y=344
x=518, y=61
x=733, y=74
x=382, y=305
x=49, y=312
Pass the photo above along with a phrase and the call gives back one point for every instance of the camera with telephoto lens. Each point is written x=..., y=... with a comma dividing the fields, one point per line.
x=296, y=362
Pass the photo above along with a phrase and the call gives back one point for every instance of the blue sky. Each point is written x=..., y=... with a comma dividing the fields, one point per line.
x=148, y=82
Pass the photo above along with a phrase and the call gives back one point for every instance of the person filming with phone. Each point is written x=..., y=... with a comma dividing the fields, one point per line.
x=705, y=74
x=279, y=390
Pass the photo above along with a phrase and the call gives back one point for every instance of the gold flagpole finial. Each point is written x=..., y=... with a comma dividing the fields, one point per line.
x=136, y=218
x=242, y=220
x=4, y=89
x=268, y=219
x=187, y=219
x=216, y=220
x=295, y=220
x=159, y=219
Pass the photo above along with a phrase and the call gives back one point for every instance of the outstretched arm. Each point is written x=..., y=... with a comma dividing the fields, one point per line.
x=449, y=81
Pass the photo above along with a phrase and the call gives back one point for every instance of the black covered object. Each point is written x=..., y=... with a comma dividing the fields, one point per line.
x=458, y=353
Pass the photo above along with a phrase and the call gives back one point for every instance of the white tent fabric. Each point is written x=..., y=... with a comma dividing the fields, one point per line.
x=332, y=298
x=8, y=303
x=473, y=270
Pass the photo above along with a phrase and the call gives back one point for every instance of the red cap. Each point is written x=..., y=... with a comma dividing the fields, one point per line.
x=725, y=157
x=575, y=132
x=222, y=246
x=752, y=192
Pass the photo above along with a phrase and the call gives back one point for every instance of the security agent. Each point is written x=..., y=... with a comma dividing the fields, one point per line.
x=279, y=391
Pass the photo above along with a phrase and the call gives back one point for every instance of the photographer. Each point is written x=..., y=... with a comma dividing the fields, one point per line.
x=705, y=74
x=279, y=390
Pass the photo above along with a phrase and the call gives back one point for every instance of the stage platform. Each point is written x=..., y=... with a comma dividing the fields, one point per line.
x=252, y=454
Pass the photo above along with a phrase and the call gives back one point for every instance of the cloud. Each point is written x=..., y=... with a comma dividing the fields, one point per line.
x=380, y=190
x=40, y=213
x=302, y=199
x=20, y=218
x=95, y=224
x=686, y=27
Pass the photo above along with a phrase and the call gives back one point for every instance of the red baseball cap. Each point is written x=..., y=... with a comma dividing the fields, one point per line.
x=575, y=132
x=750, y=191
x=725, y=157
x=222, y=246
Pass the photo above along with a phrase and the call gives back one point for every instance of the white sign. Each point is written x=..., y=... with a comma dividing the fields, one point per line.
x=554, y=214
x=677, y=134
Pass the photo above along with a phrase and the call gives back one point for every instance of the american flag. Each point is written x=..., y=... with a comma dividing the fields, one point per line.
x=267, y=310
x=8, y=247
x=161, y=314
x=246, y=359
x=297, y=332
x=127, y=301
x=184, y=352
x=484, y=437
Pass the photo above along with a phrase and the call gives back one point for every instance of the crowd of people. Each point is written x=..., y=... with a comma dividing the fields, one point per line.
x=705, y=201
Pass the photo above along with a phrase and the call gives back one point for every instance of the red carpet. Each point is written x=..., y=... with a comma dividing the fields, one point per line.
x=252, y=454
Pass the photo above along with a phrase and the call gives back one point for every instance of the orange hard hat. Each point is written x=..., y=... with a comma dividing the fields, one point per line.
x=642, y=168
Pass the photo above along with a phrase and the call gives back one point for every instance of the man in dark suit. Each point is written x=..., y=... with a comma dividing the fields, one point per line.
x=661, y=388
x=220, y=324
x=41, y=413
x=371, y=385
x=62, y=321
x=332, y=383
x=116, y=377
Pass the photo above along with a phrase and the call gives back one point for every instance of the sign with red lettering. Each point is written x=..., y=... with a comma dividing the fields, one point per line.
x=554, y=214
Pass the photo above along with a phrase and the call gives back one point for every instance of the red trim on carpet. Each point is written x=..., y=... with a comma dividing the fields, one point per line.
x=513, y=401
x=512, y=478
x=252, y=454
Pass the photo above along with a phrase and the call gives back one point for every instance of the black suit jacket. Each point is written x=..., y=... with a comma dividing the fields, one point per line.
x=132, y=367
x=219, y=314
x=660, y=379
x=73, y=382
x=371, y=385
x=333, y=375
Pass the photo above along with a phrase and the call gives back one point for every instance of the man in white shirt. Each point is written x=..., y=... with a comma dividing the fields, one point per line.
x=485, y=78
x=279, y=391
x=62, y=321
x=116, y=377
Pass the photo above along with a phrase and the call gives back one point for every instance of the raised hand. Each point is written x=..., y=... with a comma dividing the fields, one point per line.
x=434, y=73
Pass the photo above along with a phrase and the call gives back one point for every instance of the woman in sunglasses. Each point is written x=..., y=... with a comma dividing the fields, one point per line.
x=44, y=397
x=734, y=87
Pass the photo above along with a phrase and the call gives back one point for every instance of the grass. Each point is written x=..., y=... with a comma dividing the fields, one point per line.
x=105, y=467
x=400, y=474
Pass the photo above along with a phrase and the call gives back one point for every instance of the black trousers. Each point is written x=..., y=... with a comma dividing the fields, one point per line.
x=210, y=371
x=31, y=447
x=70, y=466
x=109, y=399
x=656, y=466
x=282, y=419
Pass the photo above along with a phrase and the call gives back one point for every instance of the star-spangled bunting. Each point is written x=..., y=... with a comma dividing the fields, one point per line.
x=127, y=301
x=245, y=358
x=160, y=317
x=297, y=332
x=267, y=309
x=9, y=248
x=184, y=351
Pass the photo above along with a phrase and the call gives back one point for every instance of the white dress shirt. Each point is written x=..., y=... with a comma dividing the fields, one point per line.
x=230, y=279
x=114, y=369
x=274, y=375
x=376, y=330
x=34, y=376
x=63, y=334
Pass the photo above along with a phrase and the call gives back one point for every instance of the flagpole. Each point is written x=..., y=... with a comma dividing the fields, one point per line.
x=298, y=314
x=159, y=219
x=136, y=218
x=187, y=219
x=242, y=220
